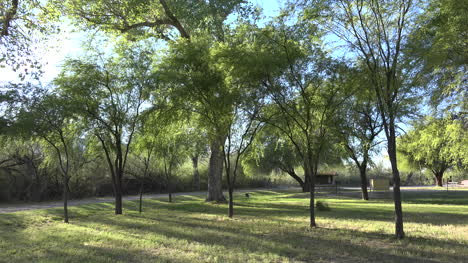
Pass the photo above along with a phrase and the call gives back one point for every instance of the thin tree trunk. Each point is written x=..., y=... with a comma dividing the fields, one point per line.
x=196, y=173
x=118, y=203
x=312, y=201
x=308, y=171
x=65, y=199
x=140, y=209
x=118, y=195
x=399, y=232
x=306, y=186
x=215, y=172
x=231, y=202
x=362, y=173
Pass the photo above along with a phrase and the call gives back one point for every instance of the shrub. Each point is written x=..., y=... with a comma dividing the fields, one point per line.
x=322, y=206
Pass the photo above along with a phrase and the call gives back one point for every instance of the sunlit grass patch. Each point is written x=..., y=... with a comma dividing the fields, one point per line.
x=270, y=226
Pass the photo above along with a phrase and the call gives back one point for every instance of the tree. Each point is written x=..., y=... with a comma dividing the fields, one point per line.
x=198, y=148
x=359, y=129
x=189, y=71
x=306, y=96
x=436, y=144
x=242, y=131
x=172, y=149
x=376, y=31
x=50, y=118
x=110, y=95
x=171, y=20
x=145, y=148
x=272, y=150
x=162, y=19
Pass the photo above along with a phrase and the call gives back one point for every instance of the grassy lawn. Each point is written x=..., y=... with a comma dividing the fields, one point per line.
x=270, y=226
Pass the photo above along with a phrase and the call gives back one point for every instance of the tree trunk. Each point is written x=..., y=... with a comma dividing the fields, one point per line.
x=311, y=178
x=140, y=208
x=231, y=203
x=118, y=194
x=362, y=173
x=312, y=201
x=215, y=172
x=118, y=202
x=439, y=176
x=306, y=187
x=170, y=196
x=399, y=232
x=408, y=179
x=65, y=199
x=292, y=173
x=196, y=174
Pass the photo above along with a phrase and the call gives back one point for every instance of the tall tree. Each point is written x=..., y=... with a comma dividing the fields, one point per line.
x=169, y=20
x=376, y=31
x=306, y=96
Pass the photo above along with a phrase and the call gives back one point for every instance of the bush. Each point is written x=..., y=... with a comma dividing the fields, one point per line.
x=322, y=206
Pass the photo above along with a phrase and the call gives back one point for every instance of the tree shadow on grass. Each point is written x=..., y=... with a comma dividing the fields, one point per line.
x=297, y=244
x=436, y=197
x=363, y=212
x=248, y=236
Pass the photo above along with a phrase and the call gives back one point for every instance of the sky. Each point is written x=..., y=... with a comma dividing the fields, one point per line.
x=69, y=43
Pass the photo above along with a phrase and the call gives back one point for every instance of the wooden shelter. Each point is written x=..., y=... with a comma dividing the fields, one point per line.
x=326, y=178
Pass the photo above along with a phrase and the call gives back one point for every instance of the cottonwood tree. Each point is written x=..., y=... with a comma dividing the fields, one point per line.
x=109, y=95
x=172, y=21
x=376, y=32
x=197, y=86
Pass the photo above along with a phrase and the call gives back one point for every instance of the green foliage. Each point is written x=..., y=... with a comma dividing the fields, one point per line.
x=24, y=24
x=143, y=19
x=438, y=46
x=436, y=144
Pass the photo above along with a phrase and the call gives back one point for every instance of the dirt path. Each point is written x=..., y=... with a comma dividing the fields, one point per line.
x=15, y=207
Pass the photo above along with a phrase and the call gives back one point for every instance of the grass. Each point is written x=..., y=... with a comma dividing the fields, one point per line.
x=270, y=226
